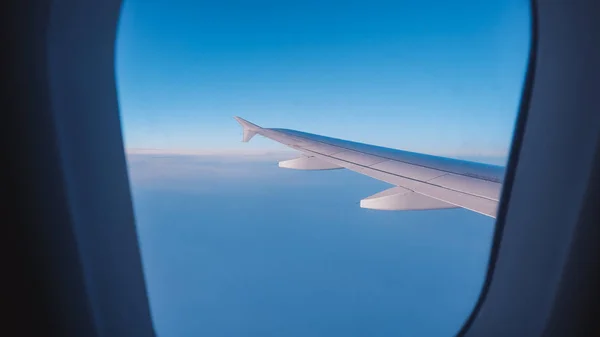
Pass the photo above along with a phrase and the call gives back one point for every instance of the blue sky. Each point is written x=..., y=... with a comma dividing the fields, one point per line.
x=442, y=77
x=232, y=245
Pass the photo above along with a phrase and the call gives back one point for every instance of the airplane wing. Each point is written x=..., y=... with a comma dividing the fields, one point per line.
x=422, y=181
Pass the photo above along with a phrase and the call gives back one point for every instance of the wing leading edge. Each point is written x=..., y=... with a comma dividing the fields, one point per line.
x=423, y=182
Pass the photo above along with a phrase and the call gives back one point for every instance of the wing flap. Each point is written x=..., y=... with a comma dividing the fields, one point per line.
x=324, y=149
x=358, y=158
x=487, y=189
x=407, y=170
x=471, y=202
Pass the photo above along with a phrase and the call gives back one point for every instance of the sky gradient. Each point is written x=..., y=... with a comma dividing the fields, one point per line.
x=231, y=244
x=441, y=78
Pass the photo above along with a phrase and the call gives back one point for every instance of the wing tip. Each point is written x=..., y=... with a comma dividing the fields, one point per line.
x=250, y=129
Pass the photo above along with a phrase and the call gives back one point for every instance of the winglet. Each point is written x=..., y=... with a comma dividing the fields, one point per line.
x=249, y=129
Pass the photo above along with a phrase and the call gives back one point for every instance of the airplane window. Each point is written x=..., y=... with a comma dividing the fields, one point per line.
x=401, y=113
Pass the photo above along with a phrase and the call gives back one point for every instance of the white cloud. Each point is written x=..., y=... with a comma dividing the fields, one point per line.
x=164, y=167
x=159, y=167
x=207, y=152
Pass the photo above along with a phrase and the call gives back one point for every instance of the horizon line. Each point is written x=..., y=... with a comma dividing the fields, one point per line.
x=258, y=152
